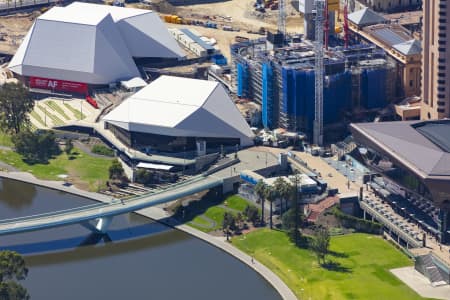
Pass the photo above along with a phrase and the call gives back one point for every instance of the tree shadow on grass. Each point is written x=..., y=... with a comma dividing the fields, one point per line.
x=336, y=267
x=338, y=254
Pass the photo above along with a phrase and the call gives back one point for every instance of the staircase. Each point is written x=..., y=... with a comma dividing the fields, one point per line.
x=432, y=271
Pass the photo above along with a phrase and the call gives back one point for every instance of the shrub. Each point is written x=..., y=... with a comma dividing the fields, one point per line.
x=357, y=223
x=102, y=150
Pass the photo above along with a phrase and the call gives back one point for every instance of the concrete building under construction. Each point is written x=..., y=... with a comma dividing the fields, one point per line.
x=358, y=79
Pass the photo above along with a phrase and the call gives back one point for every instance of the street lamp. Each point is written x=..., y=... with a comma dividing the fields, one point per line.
x=81, y=109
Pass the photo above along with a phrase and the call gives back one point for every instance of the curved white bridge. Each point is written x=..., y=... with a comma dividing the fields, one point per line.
x=105, y=211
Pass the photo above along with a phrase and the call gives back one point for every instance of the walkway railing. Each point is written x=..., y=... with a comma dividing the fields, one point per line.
x=98, y=206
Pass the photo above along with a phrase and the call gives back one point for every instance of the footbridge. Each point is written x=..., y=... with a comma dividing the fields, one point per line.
x=103, y=213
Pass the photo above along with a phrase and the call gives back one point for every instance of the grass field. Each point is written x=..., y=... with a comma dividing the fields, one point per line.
x=5, y=139
x=235, y=203
x=361, y=266
x=83, y=168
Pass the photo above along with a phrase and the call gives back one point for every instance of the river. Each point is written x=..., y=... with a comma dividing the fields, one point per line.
x=138, y=259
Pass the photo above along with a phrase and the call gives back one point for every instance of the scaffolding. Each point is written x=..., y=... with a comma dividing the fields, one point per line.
x=319, y=74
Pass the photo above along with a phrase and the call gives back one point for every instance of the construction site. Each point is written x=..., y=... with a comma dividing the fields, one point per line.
x=278, y=71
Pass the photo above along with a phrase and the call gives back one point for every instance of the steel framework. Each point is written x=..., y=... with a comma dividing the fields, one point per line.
x=319, y=74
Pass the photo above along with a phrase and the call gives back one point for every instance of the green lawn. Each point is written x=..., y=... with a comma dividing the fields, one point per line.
x=236, y=202
x=78, y=114
x=38, y=118
x=363, y=263
x=86, y=170
x=5, y=139
x=216, y=213
x=54, y=106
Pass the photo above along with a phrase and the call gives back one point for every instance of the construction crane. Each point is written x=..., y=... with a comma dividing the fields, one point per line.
x=326, y=24
x=282, y=18
x=319, y=74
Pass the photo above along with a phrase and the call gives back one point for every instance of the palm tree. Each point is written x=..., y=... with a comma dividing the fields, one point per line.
x=281, y=187
x=294, y=196
x=271, y=195
x=260, y=190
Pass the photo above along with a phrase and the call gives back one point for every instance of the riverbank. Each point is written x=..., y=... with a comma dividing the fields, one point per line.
x=160, y=215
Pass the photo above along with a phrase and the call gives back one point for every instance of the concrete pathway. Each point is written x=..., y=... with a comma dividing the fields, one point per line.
x=160, y=215
x=421, y=284
x=211, y=222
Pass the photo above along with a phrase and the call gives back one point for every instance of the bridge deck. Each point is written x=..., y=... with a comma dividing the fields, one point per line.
x=99, y=210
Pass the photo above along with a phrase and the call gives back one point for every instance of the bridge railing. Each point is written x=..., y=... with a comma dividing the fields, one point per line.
x=64, y=211
x=89, y=207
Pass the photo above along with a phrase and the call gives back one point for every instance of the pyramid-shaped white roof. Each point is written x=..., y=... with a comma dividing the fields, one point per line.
x=92, y=43
x=410, y=47
x=178, y=106
x=365, y=17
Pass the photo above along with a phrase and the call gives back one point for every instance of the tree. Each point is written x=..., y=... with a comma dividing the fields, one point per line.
x=320, y=244
x=229, y=223
x=15, y=104
x=12, y=269
x=69, y=146
x=270, y=195
x=239, y=220
x=260, y=190
x=251, y=213
x=288, y=219
x=116, y=170
x=281, y=187
x=36, y=147
x=293, y=192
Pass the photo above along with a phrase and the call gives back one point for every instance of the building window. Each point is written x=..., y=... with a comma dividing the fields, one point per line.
x=441, y=110
x=441, y=96
x=440, y=103
x=411, y=83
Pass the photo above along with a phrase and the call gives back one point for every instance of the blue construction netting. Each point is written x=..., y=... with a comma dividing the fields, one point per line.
x=299, y=97
x=242, y=80
x=267, y=96
x=219, y=59
x=337, y=97
x=373, y=88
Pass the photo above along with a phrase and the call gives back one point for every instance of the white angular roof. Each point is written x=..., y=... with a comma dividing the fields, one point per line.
x=178, y=106
x=92, y=43
x=411, y=47
x=365, y=17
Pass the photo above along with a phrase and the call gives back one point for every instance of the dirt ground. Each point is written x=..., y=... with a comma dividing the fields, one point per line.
x=242, y=14
x=13, y=28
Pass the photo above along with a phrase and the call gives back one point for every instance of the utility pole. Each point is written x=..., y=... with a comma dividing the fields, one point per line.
x=319, y=75
x=296, y=208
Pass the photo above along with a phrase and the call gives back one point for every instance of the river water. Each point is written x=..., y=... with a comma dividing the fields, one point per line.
x=138, y=259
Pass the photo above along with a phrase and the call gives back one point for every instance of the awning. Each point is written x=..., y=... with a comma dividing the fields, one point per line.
x=135, y=82
x=145, y=165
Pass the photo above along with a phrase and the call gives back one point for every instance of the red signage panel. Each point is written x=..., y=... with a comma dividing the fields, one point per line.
x=58, y=85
